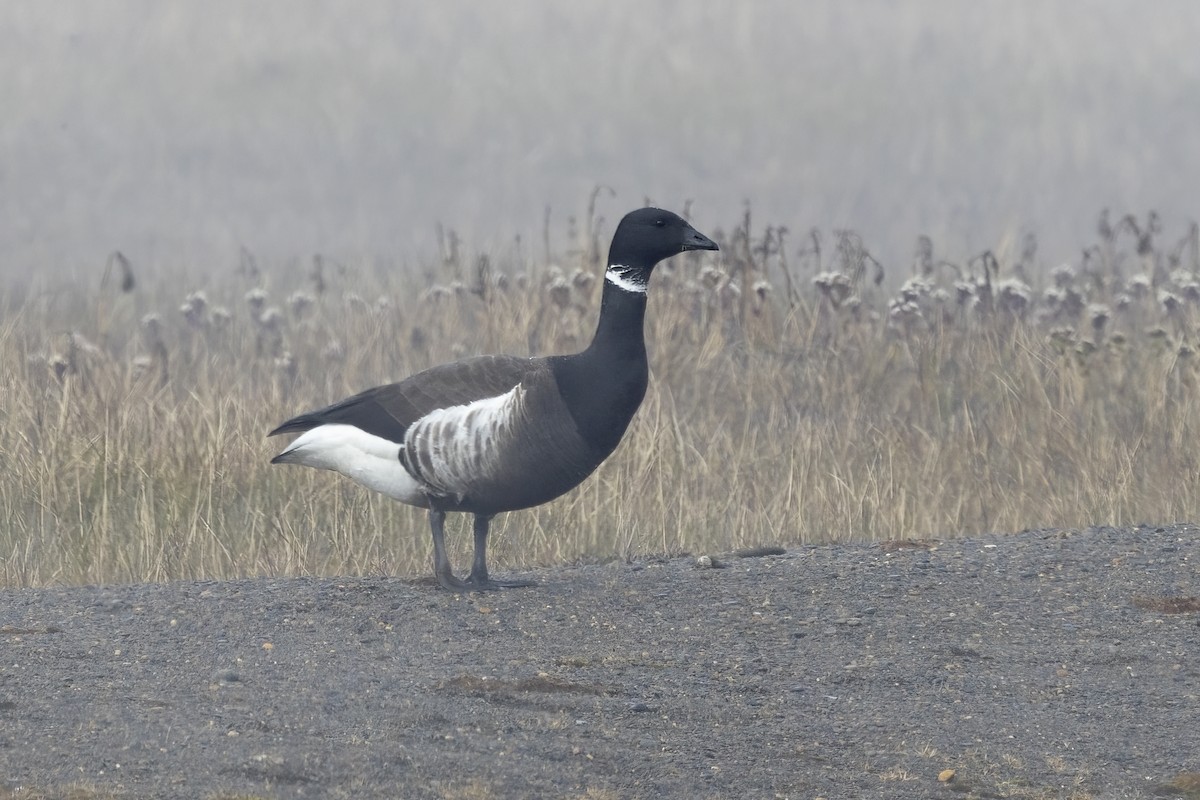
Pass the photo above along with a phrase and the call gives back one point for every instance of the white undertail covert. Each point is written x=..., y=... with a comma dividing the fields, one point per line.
x=362, y=457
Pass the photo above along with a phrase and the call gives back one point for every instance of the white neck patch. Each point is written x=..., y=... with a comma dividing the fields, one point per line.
x=626, y=278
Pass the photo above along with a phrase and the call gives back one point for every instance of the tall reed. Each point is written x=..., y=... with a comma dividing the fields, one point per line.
x=793, y=398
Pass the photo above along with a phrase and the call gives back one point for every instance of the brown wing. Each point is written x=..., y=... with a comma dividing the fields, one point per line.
x=387, y=411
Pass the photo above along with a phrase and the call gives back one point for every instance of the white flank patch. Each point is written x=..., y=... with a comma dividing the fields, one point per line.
x=458, y=447
x=621, y=276
x=362, y=457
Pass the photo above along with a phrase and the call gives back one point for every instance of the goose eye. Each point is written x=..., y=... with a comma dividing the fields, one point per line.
x=661, y=223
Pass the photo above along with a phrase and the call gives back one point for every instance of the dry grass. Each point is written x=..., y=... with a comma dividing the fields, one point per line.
x=981, y=774
x=72, y=791
x=1186, y=784
x=541, y=684
x=1168, y=605
x=481, y=790
x=792, y=399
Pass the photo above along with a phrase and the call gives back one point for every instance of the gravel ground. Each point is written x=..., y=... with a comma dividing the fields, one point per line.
x=1040, y=664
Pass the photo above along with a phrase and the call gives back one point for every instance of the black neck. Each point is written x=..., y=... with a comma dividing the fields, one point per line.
x=604, y=385
x=620, y=330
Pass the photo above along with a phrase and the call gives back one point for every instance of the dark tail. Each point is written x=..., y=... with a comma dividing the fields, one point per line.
x=300, y=424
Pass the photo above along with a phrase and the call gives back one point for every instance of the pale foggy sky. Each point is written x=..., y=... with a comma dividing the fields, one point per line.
x=178, y=131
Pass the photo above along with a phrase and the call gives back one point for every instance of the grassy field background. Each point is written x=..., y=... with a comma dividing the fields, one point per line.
x=793, y=398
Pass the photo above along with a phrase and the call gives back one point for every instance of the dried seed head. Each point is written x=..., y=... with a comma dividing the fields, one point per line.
x=189, y=313
x=60, y=366
x=193, y=308
x=964, y=292
x=834, y=285
x=560, y=292
x=436, y=293
x=1181, y=276
x=1062, y=335
x=1098, y=314
x=141, y=365
x=220, y=317
x=271, y=318
x=299, y=302
x=712, y=276
x=285, y=364
x=198, y=299
x=152, y=328
x=1170, y=301
x=1190, y=290
x=1063, y=275
x=1139, y=285
x=583, y=280
x=902, y=310
x=915, y=288
x=1072, y=302
x=1013, y=296
x=256, y=299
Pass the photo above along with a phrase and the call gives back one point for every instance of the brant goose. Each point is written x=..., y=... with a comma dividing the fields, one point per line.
x=500, y=433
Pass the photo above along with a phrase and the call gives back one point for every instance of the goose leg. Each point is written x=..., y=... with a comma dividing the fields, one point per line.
x=441, y=561
x=479, y=579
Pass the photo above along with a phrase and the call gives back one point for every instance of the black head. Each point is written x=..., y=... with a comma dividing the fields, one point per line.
x=649, y=235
